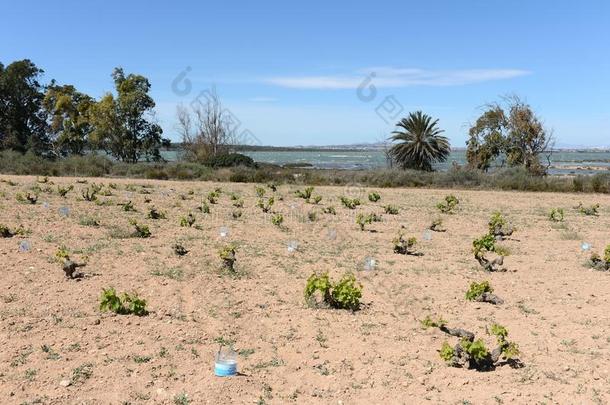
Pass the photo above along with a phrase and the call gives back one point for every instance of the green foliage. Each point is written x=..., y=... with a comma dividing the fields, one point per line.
x=391, y=209
x=476, y=350
x=510, y=350
x=141, y=231
x=404, y=246
x=63, y=191
x=485, y=243
x=62, y=254
x=428, y=322
x=363, y=219
x=238, y=203
x=121, y=124
x=447, y=352
x=593, y=210
x=265, y=205
x=316, y=199
x=69, y=125
x=213, y=197
x=122, y=305
x=448, y=205
x=477, y=289
x=607, y=254
x=306, y=194
x=374, y=196
x=228, y=256
x=556, y=214
x=89, y=194
x=187, y=221
x=229, y=160
x=260, y=192
x=5, y=232
x=420, y=143
x=329, y=210
x=277, y=219
x=128, y=207
x=497, y=221
x=513, y=131
x=28, y=198
x=23, y=124
x=345, y=294
x=204, y=208
x=350, y=203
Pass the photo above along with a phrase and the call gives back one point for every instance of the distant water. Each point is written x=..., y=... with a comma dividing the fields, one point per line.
x=562, y=162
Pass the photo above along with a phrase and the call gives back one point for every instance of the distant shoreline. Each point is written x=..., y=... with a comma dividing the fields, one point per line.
x=360, y=148
x=251, y=148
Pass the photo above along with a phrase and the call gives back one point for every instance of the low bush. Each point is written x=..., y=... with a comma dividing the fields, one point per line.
x=391, y=209
x=277, y=219
x=405, y=246
x=482, y=292
x=593, y=210
x=363, y=219
x=448, y=205
x=122, y=305
x=320, y=291
x=228, y=256
x=265, y=205
x=374, y=196
x=473, y=354
x=487, y=243
x=329, y=210
x=556, y=214
x=187, y=221
x=598, y=262
x=499, y=226
x=63, y=191
x=350, y=203
x=230, y=160
x=141, y=231
x=437, y=225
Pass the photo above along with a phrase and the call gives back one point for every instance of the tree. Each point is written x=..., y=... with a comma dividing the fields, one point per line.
x=123, y=125
x=511, y=132
x=208, y=129
x=68, y=111
x=421, y=143
x=22, y=119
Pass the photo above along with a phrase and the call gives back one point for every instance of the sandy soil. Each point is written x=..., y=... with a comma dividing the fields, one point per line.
x=52, y=332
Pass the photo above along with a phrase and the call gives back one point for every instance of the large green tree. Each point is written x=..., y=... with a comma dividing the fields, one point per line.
x=420, y=143
x=23, y=125
x=509, y=133
x=123, y=125
x=69, y=125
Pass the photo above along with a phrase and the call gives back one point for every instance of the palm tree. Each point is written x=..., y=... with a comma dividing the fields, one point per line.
x=421, y=142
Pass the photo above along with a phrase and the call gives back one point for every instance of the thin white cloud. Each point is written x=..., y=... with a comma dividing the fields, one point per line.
x=396, y=77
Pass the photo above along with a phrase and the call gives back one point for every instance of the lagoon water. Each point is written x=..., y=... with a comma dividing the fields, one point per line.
x=562, y=162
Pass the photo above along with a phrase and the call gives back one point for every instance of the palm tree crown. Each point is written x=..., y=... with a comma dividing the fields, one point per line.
x=420, y=142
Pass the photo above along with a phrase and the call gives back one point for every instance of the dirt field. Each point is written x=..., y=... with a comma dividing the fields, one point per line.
x=59, y=348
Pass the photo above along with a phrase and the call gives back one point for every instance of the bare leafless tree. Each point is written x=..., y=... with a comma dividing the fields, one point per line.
x=207, y=128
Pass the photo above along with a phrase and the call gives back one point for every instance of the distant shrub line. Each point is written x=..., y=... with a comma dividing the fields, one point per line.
x=458, y=177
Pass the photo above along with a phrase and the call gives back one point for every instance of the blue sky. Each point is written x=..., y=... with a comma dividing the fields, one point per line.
x=290, y=71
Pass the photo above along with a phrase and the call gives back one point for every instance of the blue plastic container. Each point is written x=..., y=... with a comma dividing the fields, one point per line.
x=225, y=369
